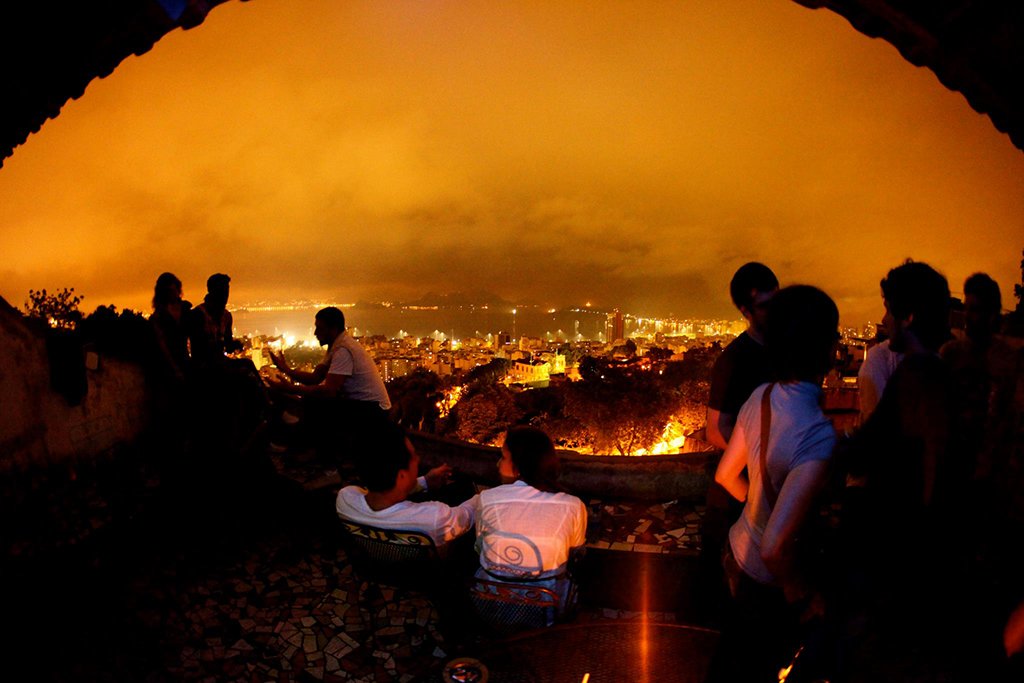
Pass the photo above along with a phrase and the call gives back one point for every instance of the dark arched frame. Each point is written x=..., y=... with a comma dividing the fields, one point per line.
x=53, y=50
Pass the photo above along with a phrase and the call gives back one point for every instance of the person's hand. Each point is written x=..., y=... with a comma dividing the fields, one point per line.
x=438, y=477
x=278, y=359
x=278, y=383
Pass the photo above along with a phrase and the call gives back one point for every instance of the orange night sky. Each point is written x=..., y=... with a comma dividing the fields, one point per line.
x=629, y=154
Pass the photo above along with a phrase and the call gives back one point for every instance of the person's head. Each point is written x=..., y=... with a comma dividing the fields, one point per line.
x=529, y=454
x=393, y=464
x=330, y=322
x=167, y=290
x=801, y=332
x=218, y=287
x=751, y=288
x=983, y=303
x=916, y=300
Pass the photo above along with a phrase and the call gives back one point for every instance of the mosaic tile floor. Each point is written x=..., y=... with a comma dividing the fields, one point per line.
x=121, y=573
x=238, y=579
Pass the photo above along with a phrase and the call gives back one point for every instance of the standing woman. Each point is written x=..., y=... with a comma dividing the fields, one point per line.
x=169, y=325
x=776, y=463
x=170, y=371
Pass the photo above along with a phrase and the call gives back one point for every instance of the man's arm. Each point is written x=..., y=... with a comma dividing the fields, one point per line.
x=459, y=519
x=194, y=329
x=231, y=345
x=329, y=388
x=720, y=426
x=731, y=473
x=720, y=420
x=314, y=377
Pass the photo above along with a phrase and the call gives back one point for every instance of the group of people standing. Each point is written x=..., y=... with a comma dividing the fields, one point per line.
x=206, y=399
x=192, y=338
x=914, y=492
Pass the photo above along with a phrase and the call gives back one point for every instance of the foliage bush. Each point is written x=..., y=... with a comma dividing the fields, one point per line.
x=59, y=309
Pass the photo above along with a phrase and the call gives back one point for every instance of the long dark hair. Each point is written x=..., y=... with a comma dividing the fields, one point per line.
x=162, y=290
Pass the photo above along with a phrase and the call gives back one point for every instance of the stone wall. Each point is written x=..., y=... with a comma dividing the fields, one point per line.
x=40, y=427
x=652, y=478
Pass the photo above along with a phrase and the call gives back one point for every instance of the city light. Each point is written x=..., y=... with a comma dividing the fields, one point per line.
x=535, y=358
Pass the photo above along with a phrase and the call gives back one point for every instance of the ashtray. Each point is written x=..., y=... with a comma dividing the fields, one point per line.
x=465, y=670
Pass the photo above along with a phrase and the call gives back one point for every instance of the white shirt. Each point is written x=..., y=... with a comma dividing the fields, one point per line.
x=878, y=366
x=799, y=433
x=345, y=356
x=433, y=518
x=525, y=532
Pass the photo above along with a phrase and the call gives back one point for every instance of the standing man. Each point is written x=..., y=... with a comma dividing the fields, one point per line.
x=342, y=393
x=983, y=369
x=901, y=578
x=743, y=366
x=231, y=398
x=210, y=324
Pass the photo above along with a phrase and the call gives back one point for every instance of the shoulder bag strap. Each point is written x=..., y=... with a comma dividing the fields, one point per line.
x=770, y=494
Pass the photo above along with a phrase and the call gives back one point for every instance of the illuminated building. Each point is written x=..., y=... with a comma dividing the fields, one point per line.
x=618, y=326
x=530, y=374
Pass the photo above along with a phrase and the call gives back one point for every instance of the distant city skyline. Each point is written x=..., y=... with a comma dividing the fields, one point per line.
x=296, y=319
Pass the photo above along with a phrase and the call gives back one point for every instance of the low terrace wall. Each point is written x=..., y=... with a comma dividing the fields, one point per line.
x=41, y=427
x=653, y=478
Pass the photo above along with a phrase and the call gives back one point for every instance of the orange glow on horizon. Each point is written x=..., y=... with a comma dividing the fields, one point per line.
x=634, y=154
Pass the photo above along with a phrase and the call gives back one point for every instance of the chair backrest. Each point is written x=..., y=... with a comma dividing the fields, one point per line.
x=508, y=607
x=392, y=556
x=510, y=555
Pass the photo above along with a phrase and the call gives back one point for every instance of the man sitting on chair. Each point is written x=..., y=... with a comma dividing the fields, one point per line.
x=526, y=528
x=390, y=477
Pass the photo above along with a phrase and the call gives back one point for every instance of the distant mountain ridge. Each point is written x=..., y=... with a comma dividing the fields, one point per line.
x=453, y=299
